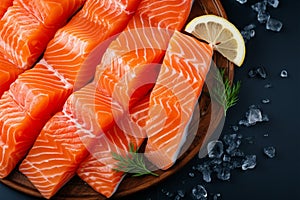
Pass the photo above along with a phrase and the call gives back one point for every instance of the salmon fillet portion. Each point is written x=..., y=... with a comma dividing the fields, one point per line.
x=98, y=169
x=8, y=74
x=61, y=145
x=24, y=35
x=43, y=90
x=129, y=67
x=5, y=4
x=174, y=97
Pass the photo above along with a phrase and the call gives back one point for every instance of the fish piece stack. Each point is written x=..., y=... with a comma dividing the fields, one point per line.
x=82, y=107
x=41, y=92
x=95, y=91
x=25, y=30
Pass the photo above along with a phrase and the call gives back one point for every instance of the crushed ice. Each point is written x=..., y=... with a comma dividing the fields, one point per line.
x=253, y=115
x=270, y=151
x=199, y=192
x=284, y=74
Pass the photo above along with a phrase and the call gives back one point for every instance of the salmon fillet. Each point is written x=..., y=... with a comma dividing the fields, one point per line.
x=8, y=74
x=5, y=4
x=43, y=90
x=129, y=67
x=24, y=35
x=174, y=96
x=59, y=148
x=98, y=168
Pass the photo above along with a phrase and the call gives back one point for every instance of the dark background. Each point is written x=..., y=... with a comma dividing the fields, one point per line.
x=276, y=178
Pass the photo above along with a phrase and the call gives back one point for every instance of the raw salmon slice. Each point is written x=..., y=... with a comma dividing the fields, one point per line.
x=128, y=69
x=51, y=12
x=8, y=74
x=5, y=4
x=77, y=109
x=15, y=121
x=174, y=97
x=98, y=168
x=20, y=122
x=24, y=36
x=43, y=90
x=59, y=149
x=73, y=45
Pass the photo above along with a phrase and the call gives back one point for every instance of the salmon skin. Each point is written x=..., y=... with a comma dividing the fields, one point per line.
x=90, y=124
x=42, y=91
x=174, y=97
x=98, y=169
x=24, y=34
x=5, y=4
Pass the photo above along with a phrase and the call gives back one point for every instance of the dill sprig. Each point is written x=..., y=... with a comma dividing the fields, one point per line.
x=225, y=92
x=132, y=163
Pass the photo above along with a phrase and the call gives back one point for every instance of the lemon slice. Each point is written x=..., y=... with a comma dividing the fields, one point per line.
x=221, y=34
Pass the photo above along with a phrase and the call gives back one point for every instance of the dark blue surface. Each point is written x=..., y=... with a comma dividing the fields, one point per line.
x=272, y=178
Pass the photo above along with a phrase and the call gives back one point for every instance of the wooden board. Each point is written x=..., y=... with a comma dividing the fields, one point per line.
x=77, y=189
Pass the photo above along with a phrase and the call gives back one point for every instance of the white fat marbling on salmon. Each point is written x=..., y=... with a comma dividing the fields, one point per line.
x=174, y=96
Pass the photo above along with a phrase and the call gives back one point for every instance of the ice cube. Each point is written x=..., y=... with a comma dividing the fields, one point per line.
x=242, y=1
x=232, y=141
x=244, y=123
x=199, y=192
x=206, y=172
x=249, y=162
x=249, y=27
x=191, y=174
x=163, y=190
x=237, y=153
x=235, y=128
x=261, y=71
x=252, y=73
x=236, y=163
x=265, y=118
x=265, y=101
x=224, y=174
x=226, y=158
x=206, y=176
x=270, y=151
x=215, y=161
x=215, y=149
x=284, y=74
x=252, y=33
x=262, y=17
x=259, y=6
x=273, y=25
x=273, y=3
x=181, y=193
x=254, y=115
x=169, y=194
x=177, y=197
x=216, y=196
x=246, y=35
